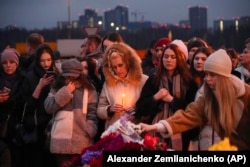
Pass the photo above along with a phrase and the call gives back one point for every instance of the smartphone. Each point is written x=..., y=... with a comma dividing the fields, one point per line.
x=5, y=89
x=49, y=73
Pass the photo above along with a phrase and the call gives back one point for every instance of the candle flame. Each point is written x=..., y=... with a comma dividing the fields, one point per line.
x=123, y=95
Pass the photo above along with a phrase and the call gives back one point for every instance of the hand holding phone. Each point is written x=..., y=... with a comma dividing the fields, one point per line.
x=6, y=90
x=50, y=73
x=4, y=94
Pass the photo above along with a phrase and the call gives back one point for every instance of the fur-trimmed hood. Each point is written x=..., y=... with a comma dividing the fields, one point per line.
x=131, y=58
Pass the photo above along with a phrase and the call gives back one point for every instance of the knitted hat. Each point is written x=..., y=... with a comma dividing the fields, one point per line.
x=163, y=42
x=71, y=67
x=219, y=62
x=182, y=47
x=10, y=54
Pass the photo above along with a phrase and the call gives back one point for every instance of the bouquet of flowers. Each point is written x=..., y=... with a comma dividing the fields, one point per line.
x=223, y=145
x=122, y=135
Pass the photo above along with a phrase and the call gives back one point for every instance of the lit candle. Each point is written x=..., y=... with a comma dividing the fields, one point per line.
x=123, y=96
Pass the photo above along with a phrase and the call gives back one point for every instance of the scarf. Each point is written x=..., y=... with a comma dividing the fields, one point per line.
x=9, y=81
x=175, y=140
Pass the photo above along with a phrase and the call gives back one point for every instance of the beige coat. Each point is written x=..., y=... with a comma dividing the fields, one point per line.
x=194, y=116
x=114, y=86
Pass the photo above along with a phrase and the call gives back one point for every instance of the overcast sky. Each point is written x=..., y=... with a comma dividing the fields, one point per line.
x=40, y=14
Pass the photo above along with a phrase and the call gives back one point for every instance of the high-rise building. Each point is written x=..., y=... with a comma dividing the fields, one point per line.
x=244, y=21
x=235, y=23
x=221, y=24
x=198, y=18
x=109, y=20
x=90, y=18
x=116, y=19
x=184, y=23
x=64, y=24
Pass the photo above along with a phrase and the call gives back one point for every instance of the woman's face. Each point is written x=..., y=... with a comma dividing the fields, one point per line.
x=85, y=67
x=199, y=61
x=9, y=67
x=211, y=78
x=119, y=67
x=46, y=61
x=169, y=60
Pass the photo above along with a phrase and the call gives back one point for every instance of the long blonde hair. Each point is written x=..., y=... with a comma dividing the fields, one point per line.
x=219, y=105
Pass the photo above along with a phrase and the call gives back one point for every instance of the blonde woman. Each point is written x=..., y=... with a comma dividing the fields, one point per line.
x=225, y=105
x=123, y=83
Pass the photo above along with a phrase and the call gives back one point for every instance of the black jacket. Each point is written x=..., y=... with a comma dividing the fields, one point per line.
x=35, y=105
x=12, y=108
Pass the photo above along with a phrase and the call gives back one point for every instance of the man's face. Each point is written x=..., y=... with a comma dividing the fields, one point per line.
x=245, y=57
x=158, y=52
x=91, y=47
x=84, y=48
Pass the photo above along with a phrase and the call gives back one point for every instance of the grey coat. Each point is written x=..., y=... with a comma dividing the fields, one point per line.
x=84, y=125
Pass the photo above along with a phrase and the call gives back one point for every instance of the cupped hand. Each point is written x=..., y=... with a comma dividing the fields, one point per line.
x=116, y=108
x=161, y=93
x=168, y=98
x=129, y=109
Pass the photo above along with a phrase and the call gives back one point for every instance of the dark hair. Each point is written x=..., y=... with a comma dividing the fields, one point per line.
x=94, y=38
x=57, y=54
x=92, y=64
x=40, y=50
x=60, y=81
x=232, y=53
x=112, y=36
x=206, y=51
x=34, y=40
x=181, y=68
x=94, y=79
x=148, y=54
x=196, y=42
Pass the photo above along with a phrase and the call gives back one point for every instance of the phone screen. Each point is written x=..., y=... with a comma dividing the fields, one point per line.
x=5, y=89
x=49, y=73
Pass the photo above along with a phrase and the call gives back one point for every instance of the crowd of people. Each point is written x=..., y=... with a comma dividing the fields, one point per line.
x=187, y=93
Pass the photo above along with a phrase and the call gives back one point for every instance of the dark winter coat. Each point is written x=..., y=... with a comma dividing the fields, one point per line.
x=147, y=106
x=11, y=109
x=35, y=106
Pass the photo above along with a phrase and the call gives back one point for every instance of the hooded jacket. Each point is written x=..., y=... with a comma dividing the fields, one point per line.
x=114, y=86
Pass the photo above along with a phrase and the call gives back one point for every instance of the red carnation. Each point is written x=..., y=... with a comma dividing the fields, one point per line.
x=150, y=142
x=96, y=162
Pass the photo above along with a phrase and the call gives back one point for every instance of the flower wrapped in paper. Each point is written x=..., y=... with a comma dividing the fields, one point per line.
x=123, y=135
